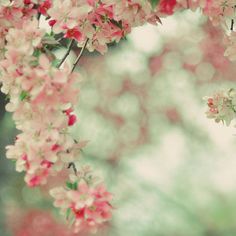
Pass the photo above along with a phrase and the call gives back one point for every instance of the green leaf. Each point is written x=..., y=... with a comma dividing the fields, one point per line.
x=37, y=53
x=69, y=185
x=24, y=95
x=56, y=62
x=154, y=3
x=34, y=63
x=49, y=40
x=75, y=186
x=72, y=186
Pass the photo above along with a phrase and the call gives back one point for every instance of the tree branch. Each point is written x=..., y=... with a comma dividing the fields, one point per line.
x=67, y=53
x=80, y=55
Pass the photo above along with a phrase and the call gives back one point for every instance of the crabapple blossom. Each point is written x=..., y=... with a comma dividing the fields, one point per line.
x=42, y=98
x=42, y=93
x=101, y=22
x=36, y=89
x=221, y=13
x=222, y=106
x=85, y=204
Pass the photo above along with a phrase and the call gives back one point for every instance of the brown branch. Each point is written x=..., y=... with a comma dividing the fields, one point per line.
x=79, y=57
x=232, y=25
x=67, y=53
x=72, y=164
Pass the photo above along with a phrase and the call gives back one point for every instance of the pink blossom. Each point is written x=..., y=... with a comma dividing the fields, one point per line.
x=85, y=205
x=102, y=22
x=221, y=106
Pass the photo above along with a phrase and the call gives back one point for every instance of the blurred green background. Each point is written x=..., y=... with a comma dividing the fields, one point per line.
x=171, y=170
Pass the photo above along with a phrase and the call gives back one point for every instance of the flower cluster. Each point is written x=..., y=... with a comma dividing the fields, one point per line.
x=11, y=15
x=222, y=106
x=42, y=93
x=219, y=10
x=216, y=10
x=99, y=22
x=221, y=13
x=85, y=204
x=42, y=98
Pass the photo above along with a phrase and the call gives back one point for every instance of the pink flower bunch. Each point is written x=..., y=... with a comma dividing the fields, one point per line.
x=42, y=95
x=220, y=12
x=216, y=10
x=42, y=98
x=99, y=22
x=85, y=204
x=222, y=106
x=223, y=12
x=11, y=15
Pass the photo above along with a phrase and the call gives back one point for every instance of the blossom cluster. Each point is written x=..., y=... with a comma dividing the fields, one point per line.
x=222, y=13
x=42, y=98
x=99, y=22
x=85, y=204
x=217, y=10
x=42, y=94
x=222, y=106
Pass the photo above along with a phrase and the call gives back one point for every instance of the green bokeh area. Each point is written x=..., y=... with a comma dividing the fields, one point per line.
x=171, y=170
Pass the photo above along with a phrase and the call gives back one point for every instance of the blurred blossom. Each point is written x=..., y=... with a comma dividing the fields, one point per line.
x=35, y=222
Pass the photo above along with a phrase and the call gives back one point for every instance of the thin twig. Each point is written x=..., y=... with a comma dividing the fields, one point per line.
x=232, y=25
x=80, y=55
x=67, y=53
x=72, y=164
x=38, y=16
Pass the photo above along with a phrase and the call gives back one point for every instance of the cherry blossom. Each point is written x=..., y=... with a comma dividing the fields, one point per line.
x=85, y=204
x=101, y=22
x=35, y=87
x=221, y=106
x=43, y=92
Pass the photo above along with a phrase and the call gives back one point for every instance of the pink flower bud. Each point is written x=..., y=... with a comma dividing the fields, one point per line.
x=72, y=120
